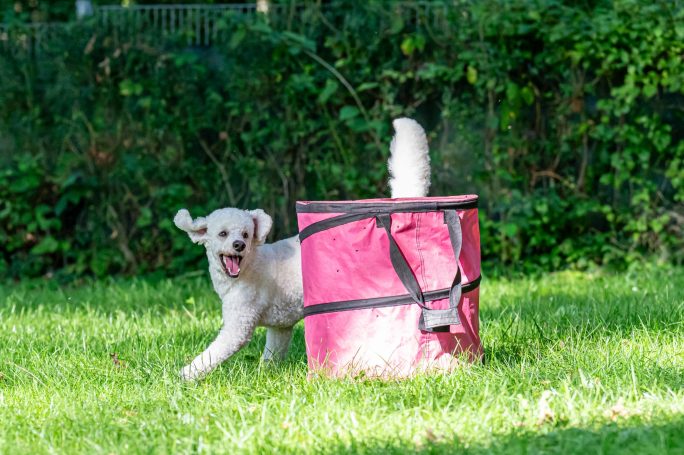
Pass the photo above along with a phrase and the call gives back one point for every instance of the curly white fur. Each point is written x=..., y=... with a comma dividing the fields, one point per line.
x=267, y=290
x=409, y=163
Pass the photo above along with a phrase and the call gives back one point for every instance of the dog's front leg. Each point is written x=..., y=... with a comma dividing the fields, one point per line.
x=231, y=338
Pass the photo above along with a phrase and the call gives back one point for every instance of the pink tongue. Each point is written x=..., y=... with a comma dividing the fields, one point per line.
x=232, y=265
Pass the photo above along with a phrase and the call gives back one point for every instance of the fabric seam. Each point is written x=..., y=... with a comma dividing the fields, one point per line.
x=420, y=252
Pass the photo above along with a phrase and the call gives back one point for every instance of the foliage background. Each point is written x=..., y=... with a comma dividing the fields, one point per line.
x=566, y=117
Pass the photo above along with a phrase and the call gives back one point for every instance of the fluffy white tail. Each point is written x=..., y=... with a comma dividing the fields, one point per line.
x=409, y=162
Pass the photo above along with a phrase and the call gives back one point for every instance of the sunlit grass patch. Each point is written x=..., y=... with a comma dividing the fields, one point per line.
x=575, y=363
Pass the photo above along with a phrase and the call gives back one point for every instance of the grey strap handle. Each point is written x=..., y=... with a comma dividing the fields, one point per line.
x=431, y=320
x=440, y=320
x=399, y=262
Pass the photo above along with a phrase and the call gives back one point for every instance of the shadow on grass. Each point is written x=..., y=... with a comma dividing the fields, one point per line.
x=621, y=308
x=520, y=321
x=511, y=330
x=129, y=296
x=557, y=310
x=626, y=437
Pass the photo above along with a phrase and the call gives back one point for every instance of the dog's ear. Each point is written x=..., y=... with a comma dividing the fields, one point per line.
x=196, y=229
x=262, y=225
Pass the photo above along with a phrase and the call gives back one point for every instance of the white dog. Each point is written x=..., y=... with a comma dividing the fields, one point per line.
x=261, y=284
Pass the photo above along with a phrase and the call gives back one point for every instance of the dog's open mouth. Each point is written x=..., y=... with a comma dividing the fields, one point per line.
x=231, y=264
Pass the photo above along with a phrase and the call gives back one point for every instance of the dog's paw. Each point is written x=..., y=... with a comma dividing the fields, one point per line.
x=190, y=373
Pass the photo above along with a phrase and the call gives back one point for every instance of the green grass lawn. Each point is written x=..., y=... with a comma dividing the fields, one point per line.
x=576, y=363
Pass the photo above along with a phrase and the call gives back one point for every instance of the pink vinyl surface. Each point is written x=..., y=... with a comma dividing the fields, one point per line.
x=352, y=262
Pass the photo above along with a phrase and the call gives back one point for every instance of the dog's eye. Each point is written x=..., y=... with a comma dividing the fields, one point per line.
x=223, y=233
x=245, y=235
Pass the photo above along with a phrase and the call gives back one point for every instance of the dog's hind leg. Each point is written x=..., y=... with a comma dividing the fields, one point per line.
x=277, y=343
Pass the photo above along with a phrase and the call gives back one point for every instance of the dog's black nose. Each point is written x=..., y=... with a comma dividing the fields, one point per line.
x=239, y=245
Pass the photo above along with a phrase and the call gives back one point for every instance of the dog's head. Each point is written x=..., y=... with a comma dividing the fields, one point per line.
x=229, y=235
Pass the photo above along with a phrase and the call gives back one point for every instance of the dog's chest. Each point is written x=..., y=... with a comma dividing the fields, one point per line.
x=282, y=314
x=272, y=306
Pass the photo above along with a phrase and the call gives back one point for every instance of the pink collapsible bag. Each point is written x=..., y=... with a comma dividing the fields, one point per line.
x=390, y=285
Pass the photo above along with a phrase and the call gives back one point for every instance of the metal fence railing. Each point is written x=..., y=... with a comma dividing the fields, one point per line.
x=200, y=24
x=205, y=24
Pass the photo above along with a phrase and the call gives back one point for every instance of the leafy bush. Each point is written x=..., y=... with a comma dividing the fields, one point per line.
x=36, y=10
x=566, y=119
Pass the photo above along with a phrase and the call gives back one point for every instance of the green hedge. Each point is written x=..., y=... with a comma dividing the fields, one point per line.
x=566, y=117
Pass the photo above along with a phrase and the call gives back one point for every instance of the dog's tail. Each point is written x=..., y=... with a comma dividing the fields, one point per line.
x=409, y=162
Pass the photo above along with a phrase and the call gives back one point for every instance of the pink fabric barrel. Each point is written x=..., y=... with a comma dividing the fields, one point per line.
x=391, y=286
